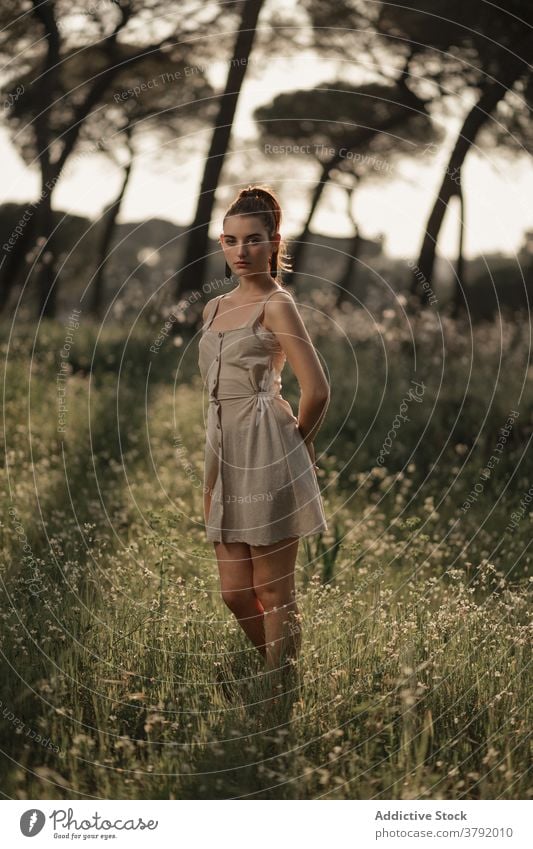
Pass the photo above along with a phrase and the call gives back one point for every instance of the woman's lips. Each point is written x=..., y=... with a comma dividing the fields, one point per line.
x=242, y=263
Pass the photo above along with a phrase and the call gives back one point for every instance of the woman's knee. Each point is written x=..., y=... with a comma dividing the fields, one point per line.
x=274, y=596
x=239, y=600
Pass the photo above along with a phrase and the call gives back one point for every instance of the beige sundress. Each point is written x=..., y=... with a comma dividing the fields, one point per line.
x=263, y=483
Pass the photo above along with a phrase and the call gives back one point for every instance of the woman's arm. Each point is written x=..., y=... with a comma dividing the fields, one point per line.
x=282, y=318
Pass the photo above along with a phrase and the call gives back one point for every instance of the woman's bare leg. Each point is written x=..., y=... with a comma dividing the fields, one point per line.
x=274, y=585
x=236, y=583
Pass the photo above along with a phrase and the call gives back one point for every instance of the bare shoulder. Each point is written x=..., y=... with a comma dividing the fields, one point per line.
x=281, y=311
x=281, y=304
x=282, y=296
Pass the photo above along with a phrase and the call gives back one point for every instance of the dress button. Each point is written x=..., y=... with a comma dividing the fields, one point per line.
x=218, y=426
x=220, y=334
x=216, y=358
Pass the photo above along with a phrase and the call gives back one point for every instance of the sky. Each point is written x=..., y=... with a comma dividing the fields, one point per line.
x=164, y=184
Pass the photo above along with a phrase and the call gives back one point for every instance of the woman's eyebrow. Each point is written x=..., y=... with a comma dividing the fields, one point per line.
x=230, y=236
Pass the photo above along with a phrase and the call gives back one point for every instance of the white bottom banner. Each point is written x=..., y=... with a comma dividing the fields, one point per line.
x=262, y=824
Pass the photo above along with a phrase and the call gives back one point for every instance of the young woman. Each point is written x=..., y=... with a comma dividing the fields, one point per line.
x=261, y=492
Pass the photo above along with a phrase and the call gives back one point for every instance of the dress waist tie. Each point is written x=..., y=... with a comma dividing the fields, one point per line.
x=264, y=396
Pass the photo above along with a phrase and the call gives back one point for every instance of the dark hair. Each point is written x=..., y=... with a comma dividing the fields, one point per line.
x=262, y=201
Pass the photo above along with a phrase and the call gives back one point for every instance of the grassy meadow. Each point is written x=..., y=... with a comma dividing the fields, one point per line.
x=415, y=670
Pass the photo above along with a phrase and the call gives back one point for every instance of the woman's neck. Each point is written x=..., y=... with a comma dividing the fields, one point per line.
x=258, y=283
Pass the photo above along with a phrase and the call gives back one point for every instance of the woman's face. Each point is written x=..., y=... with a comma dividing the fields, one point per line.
x=246, y=245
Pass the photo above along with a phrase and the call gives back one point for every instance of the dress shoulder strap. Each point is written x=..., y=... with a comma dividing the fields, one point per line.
x=214, y=311
x=259, y=315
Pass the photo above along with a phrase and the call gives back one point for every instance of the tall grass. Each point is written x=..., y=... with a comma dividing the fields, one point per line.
x=124, y=676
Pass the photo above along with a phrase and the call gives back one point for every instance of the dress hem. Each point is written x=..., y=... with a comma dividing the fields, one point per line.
x=277, y=539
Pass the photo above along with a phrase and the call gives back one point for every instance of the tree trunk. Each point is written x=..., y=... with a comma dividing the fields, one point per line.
x=46, y=266
x=195, y=257
x=349, y=278
x=48, y=85
x=491, y=95
x=300, y=243
x=109, y=225
x=459, y=297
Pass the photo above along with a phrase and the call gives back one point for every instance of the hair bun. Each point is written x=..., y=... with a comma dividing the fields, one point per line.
x=255, y=191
